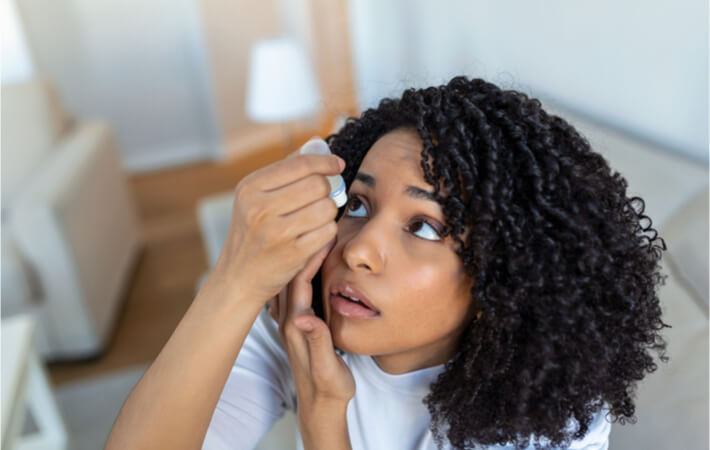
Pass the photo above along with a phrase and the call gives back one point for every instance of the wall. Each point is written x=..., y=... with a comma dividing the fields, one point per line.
x=638, y=66
x=17, y=65
x=138, y=65
x=170, y=76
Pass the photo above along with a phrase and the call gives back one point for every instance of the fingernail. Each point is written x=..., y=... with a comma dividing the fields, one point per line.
x=341, y=161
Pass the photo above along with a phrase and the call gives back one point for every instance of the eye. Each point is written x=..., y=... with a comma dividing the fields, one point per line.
x=430, y=231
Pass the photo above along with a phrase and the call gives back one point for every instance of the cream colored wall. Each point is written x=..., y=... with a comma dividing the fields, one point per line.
x=137, y=65
x=640, y=67
x=170, y=75
x=17, y=65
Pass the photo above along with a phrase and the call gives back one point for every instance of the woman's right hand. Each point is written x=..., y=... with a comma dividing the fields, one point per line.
x=281, y=215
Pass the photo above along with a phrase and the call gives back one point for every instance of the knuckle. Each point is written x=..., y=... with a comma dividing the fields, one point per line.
x=256, y=214
x=244, y=198
x=324, y=186
x=290, y=331
x=247, y=182
x=326, y=208
x=331, y=164
x=298, y=248
x=323, y=375
x=332, y=229
x=303, y=163
x=240, y=191
x=318, y=184
x=330, y=209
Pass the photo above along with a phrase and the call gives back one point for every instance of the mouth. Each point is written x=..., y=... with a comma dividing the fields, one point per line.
x=347, y=300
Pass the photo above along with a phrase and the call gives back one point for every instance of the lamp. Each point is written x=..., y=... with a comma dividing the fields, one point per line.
x=280, y=85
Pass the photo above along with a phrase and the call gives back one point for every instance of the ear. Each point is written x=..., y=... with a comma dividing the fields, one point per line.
x=474, y=311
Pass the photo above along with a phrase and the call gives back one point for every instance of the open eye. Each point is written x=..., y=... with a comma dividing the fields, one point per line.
x=430, y=232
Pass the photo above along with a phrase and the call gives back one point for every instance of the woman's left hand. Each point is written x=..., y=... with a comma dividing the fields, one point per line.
x=322, y=378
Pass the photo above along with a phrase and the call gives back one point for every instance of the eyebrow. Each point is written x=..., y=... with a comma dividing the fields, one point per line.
x=411, y=191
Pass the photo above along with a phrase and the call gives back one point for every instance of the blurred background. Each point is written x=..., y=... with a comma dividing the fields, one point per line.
x=126, y=125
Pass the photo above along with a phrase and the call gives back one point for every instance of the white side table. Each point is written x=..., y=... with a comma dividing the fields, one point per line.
x=25, y=386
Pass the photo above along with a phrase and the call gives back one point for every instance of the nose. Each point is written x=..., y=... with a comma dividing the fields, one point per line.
x=363, y=251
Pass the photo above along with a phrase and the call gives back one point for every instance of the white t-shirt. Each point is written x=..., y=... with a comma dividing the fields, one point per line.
x=386, y=412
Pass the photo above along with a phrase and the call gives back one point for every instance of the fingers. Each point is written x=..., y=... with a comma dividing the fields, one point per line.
x=309, y=242
x=282, y=300
x=320, y=346
x=301, y=290
x=298, y=150
x=315, y=262
x=296, y=300
x=291, y=169
x=298, y=194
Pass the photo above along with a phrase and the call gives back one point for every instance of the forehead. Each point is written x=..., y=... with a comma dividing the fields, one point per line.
x=399, y=148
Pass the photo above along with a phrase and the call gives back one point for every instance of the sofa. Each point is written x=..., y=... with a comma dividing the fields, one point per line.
x=671, y=403
x=70, y=235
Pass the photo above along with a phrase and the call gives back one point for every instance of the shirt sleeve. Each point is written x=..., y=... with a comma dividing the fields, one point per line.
x=258, y=390
x=597, y=437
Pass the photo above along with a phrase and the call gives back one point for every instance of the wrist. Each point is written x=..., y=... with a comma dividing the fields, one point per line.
x=324, y=426
x=323, y=408
x=227, y=292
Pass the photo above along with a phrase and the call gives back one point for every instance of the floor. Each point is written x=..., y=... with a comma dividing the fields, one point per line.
x=163, y=282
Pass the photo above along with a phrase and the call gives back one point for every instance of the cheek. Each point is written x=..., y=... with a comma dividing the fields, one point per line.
x=436, y=287
x=429, y=278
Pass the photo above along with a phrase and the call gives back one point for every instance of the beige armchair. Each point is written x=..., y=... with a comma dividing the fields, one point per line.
x=69, y=230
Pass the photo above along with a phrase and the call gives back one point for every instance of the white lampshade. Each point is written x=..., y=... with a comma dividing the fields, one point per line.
x=281, y=85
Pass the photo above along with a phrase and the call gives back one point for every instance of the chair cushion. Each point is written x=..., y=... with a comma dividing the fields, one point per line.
x=672, y=402
x=686, y=237
x=32, y=121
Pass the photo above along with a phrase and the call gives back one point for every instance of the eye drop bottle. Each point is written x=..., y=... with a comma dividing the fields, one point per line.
x=337, y=184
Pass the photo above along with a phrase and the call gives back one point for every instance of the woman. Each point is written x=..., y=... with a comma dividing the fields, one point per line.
x=501, y=292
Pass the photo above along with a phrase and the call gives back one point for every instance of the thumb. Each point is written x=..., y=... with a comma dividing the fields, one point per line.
x=301, y=290
x=314, y=262
x=320, y=343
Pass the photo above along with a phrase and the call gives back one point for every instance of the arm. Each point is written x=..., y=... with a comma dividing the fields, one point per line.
x=171, y=406
x=281, y=214
x=325, y=427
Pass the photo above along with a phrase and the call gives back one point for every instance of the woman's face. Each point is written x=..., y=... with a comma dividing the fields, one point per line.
x=388, y=247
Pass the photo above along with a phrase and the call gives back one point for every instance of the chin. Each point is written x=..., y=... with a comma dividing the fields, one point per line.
x=351, y=344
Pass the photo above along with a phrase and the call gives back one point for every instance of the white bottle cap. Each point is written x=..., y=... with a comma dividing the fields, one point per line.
x=315, y=146
x=339, y=195
x=320, y=147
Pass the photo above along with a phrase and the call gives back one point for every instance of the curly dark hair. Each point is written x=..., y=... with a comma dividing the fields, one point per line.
x=564, y=272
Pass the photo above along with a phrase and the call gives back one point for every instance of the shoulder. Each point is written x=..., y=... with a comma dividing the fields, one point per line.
x=598, y=435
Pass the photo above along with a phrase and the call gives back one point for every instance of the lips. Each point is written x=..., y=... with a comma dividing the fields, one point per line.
x=348, y=289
